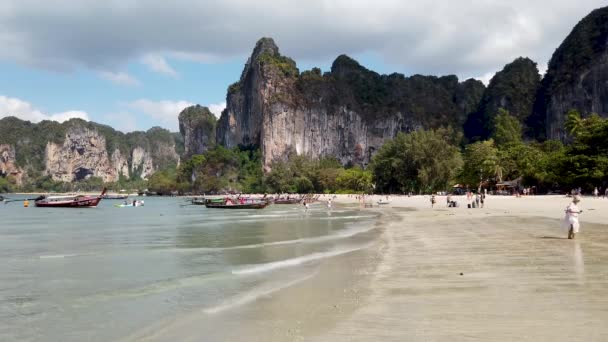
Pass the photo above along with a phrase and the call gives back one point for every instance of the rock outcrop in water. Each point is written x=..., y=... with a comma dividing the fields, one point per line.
x=577, y=76
x=347, y=113
x=197, y=127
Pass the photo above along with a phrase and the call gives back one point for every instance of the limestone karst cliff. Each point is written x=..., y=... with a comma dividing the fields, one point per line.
x=77, y=150
x=577, y=76
x=347, y=113
x=197, y=127
x=514, y=89
x=8, y=164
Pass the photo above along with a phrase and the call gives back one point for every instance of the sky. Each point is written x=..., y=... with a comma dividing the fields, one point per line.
x=135, y=64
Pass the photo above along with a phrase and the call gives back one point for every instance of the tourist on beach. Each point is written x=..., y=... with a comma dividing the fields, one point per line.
x=482, y=199
x=477, y=199
x=329, y=203
x=596, y=192
x=571, y=220
x=449, y=199
x=433, y=201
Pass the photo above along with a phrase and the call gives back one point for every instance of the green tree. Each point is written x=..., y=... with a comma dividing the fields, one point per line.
x=355, y=180
x=507, y=129
x=481, y=162
x=423, y=160
x=163, y=182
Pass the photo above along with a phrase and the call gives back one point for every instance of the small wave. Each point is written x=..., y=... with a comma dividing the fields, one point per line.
x=260, y=268
x=58, y=256
x=340, y=234
x=254, y=294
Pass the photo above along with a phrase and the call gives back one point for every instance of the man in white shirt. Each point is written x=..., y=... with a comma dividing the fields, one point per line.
x=571, y=219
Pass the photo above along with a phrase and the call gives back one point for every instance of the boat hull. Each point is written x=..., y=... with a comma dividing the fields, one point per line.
x=88, y=202
x=236, y=206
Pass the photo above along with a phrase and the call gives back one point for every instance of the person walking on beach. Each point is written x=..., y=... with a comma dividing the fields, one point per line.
x=433, y=201
x=571, y=219
x=329, y=203
x=482, y=199
x=596, y=193
x=477, y=199
x=449, y=199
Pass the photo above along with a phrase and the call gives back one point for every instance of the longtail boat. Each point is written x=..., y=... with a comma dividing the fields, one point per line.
x=78, y=201
x=229, y=203
x=260, y=205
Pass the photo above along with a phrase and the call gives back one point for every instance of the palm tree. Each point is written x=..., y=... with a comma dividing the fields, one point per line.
x=574, y=122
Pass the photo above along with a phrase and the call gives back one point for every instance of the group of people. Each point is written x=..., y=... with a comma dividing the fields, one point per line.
x=478, y=202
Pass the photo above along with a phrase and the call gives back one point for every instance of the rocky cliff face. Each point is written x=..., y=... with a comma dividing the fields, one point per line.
x=77, y=150
x=347, y=113
x=197, y=127
x=513, y=88
x=577, y=76
x=82, y=155
x=8, y=164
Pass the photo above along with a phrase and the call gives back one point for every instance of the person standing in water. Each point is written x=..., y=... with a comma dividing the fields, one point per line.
x=571, y=219
x=329, y=203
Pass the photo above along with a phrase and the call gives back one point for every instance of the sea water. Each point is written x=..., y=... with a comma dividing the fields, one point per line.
x=100, y=274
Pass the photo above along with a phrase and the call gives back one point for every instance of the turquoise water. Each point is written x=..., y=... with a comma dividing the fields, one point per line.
x=104, y=273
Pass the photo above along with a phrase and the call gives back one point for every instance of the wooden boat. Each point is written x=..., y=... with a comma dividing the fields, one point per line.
x=79, y=201
x=255, y=205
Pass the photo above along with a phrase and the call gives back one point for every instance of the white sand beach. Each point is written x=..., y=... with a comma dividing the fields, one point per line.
x=502, y=273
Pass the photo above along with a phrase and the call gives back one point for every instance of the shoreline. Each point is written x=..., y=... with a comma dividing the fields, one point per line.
x=493, y=274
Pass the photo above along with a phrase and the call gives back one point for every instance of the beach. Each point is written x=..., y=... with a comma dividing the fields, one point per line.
x=502, y=273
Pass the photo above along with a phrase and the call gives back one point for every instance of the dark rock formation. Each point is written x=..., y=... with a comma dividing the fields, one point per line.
x=347, y=113
x=197, y=127
x=577, y=76
x=514, y=89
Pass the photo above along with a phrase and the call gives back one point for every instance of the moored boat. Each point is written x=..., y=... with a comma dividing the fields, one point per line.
x=78, y=201
x=240, y=203
x=258, y=205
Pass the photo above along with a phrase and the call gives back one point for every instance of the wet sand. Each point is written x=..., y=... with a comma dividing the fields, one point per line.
x=502, y=273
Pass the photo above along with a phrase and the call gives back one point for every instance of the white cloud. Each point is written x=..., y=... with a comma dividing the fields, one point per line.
x=11, y=106
x=120, y=78
x=466, y=37
x=158, y=64
x=164, y=111
x=121, y=120
x=217, y=108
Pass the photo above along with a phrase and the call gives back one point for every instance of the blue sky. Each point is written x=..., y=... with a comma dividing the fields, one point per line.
x=135, y=64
